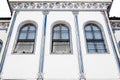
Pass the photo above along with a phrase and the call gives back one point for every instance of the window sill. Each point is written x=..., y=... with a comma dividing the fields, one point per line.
x=61, y=53
x=23, y=53
x=98, y=53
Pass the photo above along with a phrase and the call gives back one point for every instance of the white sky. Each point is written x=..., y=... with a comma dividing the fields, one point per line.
x=5, y=12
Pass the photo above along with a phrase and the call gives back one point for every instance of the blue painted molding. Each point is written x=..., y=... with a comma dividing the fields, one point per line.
x=80, y=58
x=113, y=43
x=7, y=43
x=41, y=62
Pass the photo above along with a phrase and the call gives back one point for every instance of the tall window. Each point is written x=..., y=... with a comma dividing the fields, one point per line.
x=26, y=39
x=0, y=46
x=60, y=39
x=94, y=39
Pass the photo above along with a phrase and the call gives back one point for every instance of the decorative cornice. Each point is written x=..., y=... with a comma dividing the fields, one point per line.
x=4, y=25
x=65, y=5
x=115, y=25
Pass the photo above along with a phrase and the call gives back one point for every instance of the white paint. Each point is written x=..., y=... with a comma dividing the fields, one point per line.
x=60, y=66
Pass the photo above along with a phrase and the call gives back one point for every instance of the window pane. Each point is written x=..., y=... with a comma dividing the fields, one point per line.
x=24, y=29
x=64, y=28
x=89, y=35
x=56, y=28
x=97, y=35
x=22, y=36
x=56, y=35
x=91, y=46
x=100, y=46
x=64, y=35
x=88, y=28
x=32, y=28
x=101, y=51
x=95, y=28
x=91, y=50
x=31, y=35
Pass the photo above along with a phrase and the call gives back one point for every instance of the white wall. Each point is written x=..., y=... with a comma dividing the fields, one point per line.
x=98, y=66
x=3, y=38
x=60, y=66
x=21, y=66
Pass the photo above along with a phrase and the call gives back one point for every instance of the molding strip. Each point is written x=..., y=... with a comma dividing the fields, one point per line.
x=59, y=5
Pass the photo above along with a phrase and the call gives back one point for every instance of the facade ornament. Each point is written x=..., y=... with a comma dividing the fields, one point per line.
x=115, y=25
x=75, y=13
x=82, y=76
x=40, y=76
x=59, y=5
x=4, y=25
x=45, y=12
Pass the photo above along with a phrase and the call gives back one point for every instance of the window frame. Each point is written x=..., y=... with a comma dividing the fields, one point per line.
x=60, y=39
x=26, y=40
x=95, y=41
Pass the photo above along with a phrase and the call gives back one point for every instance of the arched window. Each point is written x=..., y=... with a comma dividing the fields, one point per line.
x=0, y=46
x=60, y=39
x=94, y=39
x=26, y=39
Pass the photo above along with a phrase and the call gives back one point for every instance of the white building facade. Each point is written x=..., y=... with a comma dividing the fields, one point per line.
x=59, y=40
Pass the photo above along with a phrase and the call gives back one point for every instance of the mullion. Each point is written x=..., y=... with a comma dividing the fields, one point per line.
x=27, y=32
x=60, y=32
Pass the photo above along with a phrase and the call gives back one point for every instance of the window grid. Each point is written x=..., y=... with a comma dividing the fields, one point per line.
x=61, y=42
x=26, y=39
x=95, y=42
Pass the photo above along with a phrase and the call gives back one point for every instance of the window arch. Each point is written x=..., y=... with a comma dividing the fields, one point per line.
x=26, y=39
x=1, y=46
x=60, y=39
x=94, y=39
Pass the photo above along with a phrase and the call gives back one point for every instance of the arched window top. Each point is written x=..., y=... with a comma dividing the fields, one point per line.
x=60, y=31
x=60, y=39
x=26, y=39
x=91, y=26
x=26, y=26
x=27, y=32
x=94, y=39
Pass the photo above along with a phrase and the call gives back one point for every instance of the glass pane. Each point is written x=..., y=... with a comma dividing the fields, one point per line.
x=64, y=28
x=24, y=28
x=89, y=35
x=57, y=28
x=101, y=51
x=22, y=36
x=31, y=35
x=97, y=35
x=91, y=50
x=95, y=28
x=91, y=46
x=64, y=35
x=56, y=35
x=32, y=28
x=100, y=46
x=88, y=28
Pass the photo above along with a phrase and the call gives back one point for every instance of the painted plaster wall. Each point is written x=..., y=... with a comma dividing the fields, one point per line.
x=98, y=66
x=3, y=39
x=23, y=66
x=61, y=66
